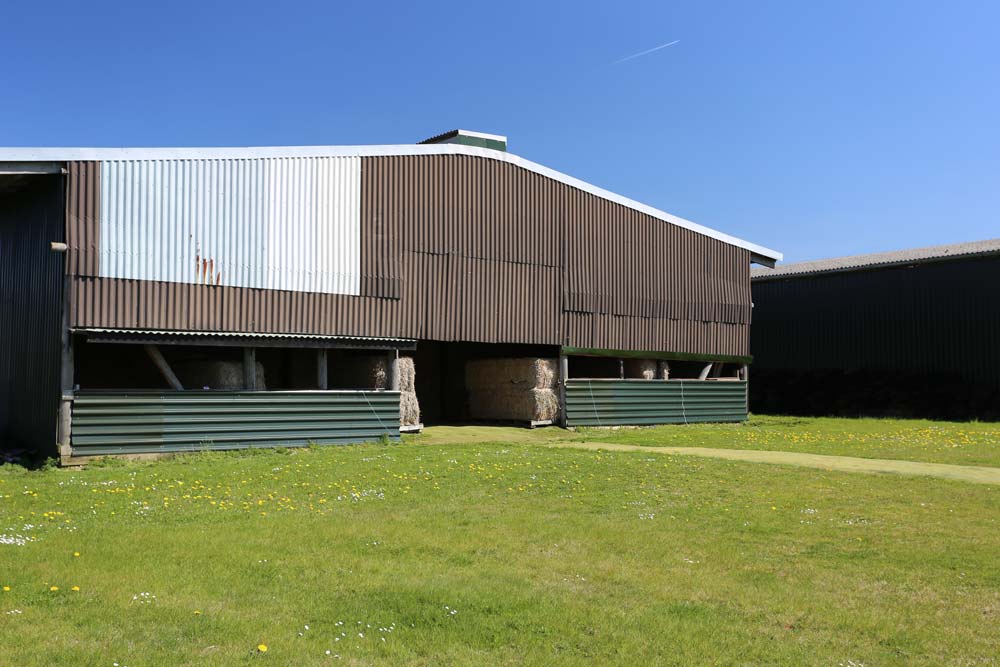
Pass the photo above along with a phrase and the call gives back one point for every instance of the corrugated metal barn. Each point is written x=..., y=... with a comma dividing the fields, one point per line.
x=907, y=333
x=168, y=299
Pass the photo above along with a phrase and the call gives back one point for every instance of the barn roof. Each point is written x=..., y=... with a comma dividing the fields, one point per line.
x=880, y=260
x=20, y=160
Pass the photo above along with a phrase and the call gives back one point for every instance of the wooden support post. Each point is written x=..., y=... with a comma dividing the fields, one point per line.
x=705, y=371
x=621, y=369
x=65, y=426
x=321, y=377
x=563, y=377
x=250, y=368
x=164, y=367
x=392, y=381
x=743, y=372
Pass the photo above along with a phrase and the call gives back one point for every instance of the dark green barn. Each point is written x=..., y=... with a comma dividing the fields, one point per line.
x=906, y=333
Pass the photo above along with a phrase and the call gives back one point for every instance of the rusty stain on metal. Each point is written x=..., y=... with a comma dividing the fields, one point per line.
x=197, y=263
x=204, y=269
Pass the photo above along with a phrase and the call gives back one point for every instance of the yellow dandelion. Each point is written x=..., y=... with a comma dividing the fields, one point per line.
x=75, y=588
x=53, y=588
x=6, y=589
x=262, y=648
x=197, y=613
x=76, y=554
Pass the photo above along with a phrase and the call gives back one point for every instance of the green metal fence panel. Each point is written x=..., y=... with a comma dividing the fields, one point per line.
x=138, y=422
x=648, y=402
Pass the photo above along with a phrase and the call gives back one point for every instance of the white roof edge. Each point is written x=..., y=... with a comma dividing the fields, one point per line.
x=233, y=153
x=482, y=135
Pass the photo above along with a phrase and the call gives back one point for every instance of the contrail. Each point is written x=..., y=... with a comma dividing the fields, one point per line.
x=646, y=52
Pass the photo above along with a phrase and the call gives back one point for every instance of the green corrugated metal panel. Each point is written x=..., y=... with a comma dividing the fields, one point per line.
x=143, y=421
x=643, y=402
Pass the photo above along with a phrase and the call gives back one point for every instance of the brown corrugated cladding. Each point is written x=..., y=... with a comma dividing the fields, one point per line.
x=83, y=188
x=480, y=246
x=464, y=248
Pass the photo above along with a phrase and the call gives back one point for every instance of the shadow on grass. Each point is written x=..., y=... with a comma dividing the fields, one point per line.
x=22, y=458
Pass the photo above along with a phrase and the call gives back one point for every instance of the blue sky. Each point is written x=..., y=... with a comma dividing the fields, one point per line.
x=816, y=128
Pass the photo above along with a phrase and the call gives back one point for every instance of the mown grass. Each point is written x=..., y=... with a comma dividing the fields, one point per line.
x=483, y=554
x=961, y=443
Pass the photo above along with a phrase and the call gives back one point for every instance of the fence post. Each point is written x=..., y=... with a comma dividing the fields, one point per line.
x=563, y=376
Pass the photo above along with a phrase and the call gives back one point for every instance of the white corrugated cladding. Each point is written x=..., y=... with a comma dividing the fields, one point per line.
x=270, y=223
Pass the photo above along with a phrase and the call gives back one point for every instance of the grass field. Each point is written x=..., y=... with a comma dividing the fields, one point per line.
x=483, y=554
x=968, y=443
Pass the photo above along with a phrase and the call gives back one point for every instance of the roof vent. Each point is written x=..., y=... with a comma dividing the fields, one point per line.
x=469, y=138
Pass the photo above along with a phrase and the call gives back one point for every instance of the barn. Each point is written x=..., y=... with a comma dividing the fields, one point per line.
x=906, y=333
x=171, y=299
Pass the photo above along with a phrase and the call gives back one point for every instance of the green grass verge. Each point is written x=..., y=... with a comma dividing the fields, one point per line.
x=490, y=554
x=969, y=443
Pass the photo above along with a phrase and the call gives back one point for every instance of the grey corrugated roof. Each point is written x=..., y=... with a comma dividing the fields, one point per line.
x=880, y=259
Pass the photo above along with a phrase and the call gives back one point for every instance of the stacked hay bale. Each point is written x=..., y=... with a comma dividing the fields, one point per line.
x=640, y=369
x=521, y=389
x=409, y=407
x=372, y=372
x=218, y=375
